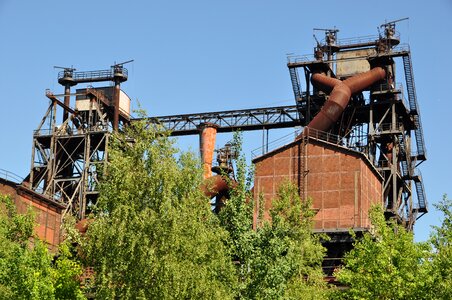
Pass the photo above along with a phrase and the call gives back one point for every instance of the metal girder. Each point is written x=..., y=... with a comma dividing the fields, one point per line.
x=228, y=121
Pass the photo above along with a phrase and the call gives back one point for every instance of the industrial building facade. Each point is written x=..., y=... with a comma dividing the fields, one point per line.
x=341, y=183
x=47, y=213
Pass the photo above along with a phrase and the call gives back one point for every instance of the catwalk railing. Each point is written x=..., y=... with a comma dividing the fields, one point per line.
x=10, y=176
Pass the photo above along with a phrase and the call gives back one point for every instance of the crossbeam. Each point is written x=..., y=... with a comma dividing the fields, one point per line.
x=229, y=121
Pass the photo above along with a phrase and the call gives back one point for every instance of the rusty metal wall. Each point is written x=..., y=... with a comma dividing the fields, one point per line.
x=341, y=185
x=47, y=216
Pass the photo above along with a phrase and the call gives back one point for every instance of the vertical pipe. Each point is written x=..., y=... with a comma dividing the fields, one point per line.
x=67, y=100
x=308, y=97
x=357, y=222
x=393, y=157
x=116, y=104
x=370, y=130
x=266, y=142
x=207, y=136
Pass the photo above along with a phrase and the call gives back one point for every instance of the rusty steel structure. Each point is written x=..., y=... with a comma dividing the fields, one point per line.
x=362, y=140
x=361, y=144
x=351, y=91
x=68, y=155
x=230, y=121
x=368, y=109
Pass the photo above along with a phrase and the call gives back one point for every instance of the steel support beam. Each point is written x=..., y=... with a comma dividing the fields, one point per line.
x=228, y=121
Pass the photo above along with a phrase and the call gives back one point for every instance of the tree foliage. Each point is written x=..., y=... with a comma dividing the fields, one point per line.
x=386, y=264
x=441, y=239
x=281, y=258
x=28, y=271
x=153, y=235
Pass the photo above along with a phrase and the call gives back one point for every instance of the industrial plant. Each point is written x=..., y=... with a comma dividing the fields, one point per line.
x=361, y=140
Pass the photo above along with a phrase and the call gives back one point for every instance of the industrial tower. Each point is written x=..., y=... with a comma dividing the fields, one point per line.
x=379, y=121
x=68, y=154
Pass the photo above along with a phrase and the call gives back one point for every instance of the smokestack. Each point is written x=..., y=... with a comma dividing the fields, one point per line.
x=207, y=136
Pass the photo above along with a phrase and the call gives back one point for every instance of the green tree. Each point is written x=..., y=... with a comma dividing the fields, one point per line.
x=441, y=239
x=386, y=264
x=66, y=273
x=28, y=271
x=153, y=235
x=281, y=258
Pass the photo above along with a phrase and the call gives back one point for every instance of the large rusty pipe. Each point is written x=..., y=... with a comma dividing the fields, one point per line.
x=362, y=81
x=207, y=136
x=341, y=91
x=324, y=83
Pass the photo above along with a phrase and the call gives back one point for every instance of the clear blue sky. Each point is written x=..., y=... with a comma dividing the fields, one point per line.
x=194, y=56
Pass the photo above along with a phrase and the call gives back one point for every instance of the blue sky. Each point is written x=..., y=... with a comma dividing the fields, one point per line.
x=194, y=56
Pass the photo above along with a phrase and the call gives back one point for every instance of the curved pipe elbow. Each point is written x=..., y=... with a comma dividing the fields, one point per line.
x=216, y=185
x=362, y=81
x=323, y=82
x=341, y=91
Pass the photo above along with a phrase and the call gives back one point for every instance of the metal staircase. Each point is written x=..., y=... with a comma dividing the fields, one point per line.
x=405, y=160
x=99, y=94
x=419, y=134
x=296, y=90
x=420, y=191
x=295, y=84
x=414, y=107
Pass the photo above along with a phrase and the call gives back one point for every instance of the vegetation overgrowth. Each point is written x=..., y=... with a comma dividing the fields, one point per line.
x=153, y=235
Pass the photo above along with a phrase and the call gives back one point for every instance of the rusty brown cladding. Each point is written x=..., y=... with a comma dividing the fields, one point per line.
x=341, y=91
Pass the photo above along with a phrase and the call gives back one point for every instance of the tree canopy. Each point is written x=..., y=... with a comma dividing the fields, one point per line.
x=387, y=263
x=441, y=240
x=153, y=235
x=27, y=269
x=281, y=257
